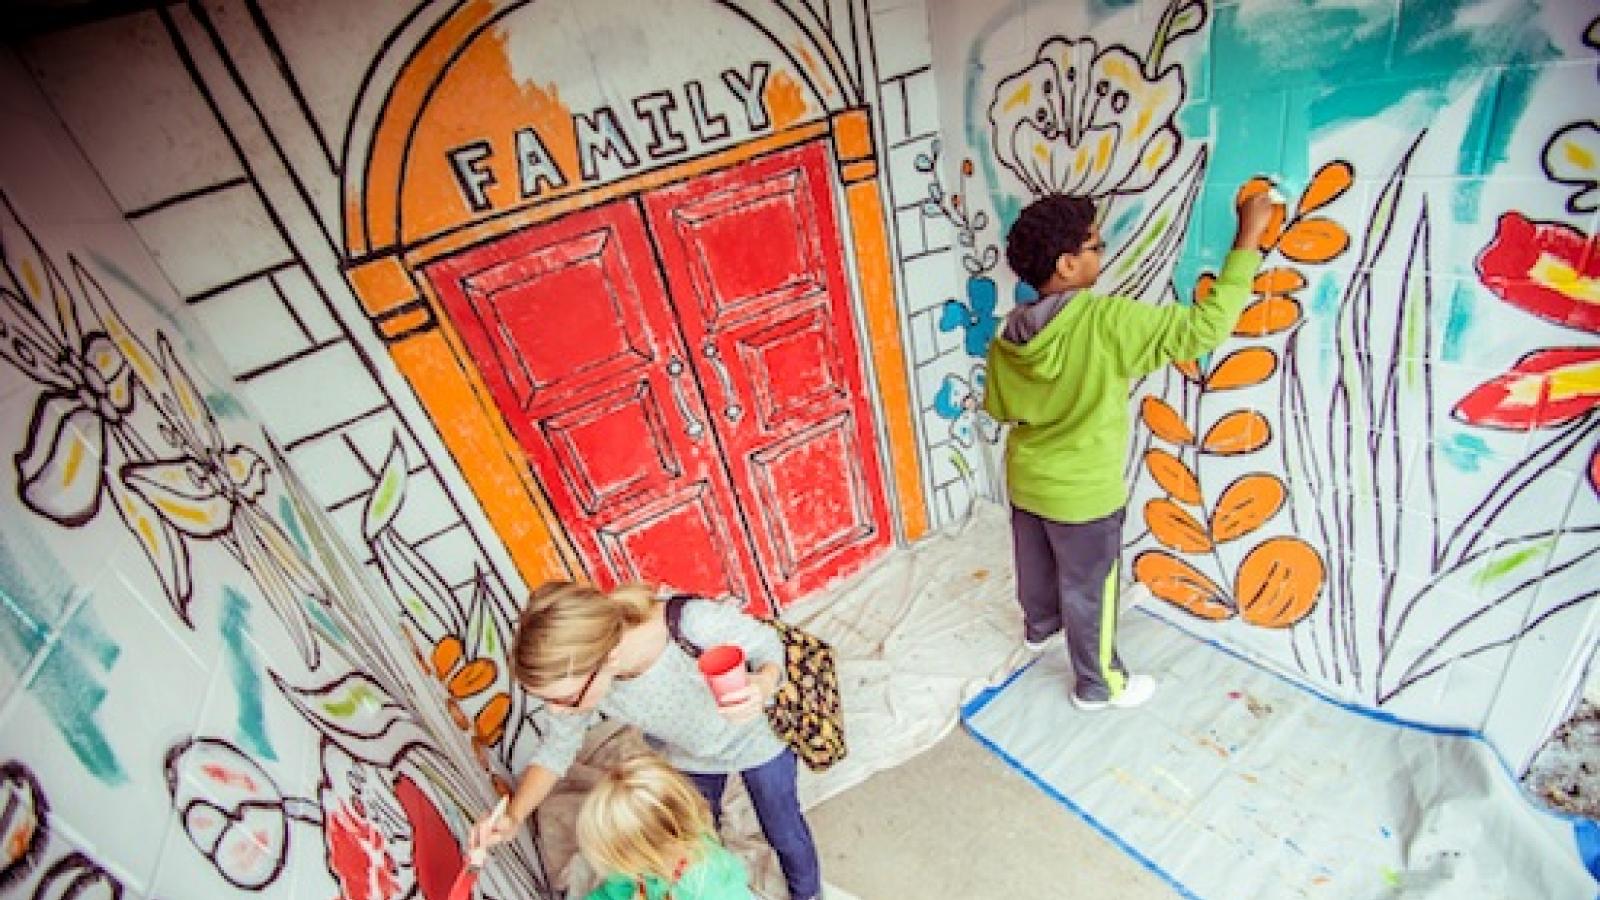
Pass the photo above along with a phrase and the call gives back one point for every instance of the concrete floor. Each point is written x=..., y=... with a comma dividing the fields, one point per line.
x=957, y=822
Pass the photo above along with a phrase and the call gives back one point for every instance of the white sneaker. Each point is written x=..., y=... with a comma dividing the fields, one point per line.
x=1137, y=690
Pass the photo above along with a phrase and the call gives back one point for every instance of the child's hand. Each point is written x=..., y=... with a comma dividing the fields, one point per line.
x=494, y=829
x=1255, y=213
x=743, y=704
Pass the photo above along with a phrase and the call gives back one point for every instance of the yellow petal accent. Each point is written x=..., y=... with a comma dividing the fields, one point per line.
x=1560, y=275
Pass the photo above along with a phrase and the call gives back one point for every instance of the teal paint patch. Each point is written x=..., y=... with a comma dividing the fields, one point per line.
x=70, y=696
x=291, y=522
x=1457, y=321
x=1335, y=66
x=327, y=624
x=242, y=669
x=1125, y=221
x=36, y=593
x=1495, y=117
x=226, y=405
x=1465, y=452
x=1325, y=302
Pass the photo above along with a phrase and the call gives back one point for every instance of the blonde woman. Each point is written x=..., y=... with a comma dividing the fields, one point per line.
x=583, y=652
x=650, y=834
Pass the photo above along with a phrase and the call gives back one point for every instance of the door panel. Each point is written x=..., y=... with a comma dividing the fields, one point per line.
x=752, y=258
x=570, y=326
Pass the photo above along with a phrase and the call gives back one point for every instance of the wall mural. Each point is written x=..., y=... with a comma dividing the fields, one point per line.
x=410, y=731
x=1326, y=488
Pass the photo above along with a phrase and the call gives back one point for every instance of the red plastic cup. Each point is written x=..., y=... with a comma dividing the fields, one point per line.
x=723, y=668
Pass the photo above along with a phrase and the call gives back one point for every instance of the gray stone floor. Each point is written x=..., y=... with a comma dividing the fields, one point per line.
x=956, y=823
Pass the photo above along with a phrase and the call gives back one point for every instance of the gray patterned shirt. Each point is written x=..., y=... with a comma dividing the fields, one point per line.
x=672, y=705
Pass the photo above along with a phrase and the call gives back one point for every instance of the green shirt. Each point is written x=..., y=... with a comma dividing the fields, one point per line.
x=1066, y=389
x=717, y=875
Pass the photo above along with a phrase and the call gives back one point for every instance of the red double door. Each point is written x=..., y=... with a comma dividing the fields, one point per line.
x=682, y=371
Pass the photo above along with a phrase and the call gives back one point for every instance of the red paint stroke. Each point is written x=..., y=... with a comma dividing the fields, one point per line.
x=436, y=853
x=359, y=857
x=228, y=779
x=1546, y=268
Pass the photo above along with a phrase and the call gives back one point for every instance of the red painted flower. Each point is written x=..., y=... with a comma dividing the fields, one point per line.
x=1547, y=268
x=1553, y=271
x=359, y=857
x=1545, y=389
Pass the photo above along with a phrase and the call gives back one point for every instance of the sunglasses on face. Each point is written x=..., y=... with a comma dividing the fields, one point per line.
x=1096, y=247
x=576, y=700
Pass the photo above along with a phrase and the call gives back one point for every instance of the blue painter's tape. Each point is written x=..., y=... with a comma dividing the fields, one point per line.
x=1063, y=799
x=1587, y=832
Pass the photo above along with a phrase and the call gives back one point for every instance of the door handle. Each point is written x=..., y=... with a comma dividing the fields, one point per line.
x=733, y=411
x=692, y=426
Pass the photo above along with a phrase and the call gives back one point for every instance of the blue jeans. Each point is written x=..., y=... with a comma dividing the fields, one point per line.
x=771, y=786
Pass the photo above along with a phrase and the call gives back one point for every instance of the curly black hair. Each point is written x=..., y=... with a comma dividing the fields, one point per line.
x=1047, y=228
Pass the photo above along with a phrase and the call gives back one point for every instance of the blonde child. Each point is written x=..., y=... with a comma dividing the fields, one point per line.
x=581, y=652
x=648, y=831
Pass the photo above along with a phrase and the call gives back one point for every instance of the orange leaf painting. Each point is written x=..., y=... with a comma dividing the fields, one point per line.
x=1180, y=584
x=1279, y=582
x=490, y=723
x=1172, y=525
x=1189, y=368
x=1243, y=368
x=1279, y=280
x=473, y=677
x=1238, y=432
x=1173, y=476
x=1165, y=421
x=1246, y=505
x=1203, y=286
x=446, y=654
x=1314, y=240
x=1268, y=316
x=1330, y=181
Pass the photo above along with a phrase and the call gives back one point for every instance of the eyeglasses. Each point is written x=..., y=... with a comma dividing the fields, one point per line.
x=576, y=700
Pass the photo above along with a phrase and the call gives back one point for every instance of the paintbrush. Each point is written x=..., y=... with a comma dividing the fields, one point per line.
x=476, y=857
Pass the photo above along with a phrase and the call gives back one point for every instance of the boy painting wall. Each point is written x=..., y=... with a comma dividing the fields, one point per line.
x=1060, y=372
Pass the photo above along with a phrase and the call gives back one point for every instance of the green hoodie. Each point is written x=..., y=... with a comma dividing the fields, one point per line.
x=1066, y=389
x=717, y=875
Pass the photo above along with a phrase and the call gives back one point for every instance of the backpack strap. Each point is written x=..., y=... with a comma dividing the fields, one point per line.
x=674, y=617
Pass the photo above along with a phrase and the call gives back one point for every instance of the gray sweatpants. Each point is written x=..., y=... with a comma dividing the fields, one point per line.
x=1067, y=578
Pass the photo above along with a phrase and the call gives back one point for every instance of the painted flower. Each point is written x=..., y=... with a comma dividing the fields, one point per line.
x=88, y=382
x=1546, y=268
x=1086, y=122
x=960, y=400
x=210, y=490
x=976, y=317
x=231, y=810
x=1552, y=271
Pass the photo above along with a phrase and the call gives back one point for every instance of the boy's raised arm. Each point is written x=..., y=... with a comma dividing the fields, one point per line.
x=1154, y=336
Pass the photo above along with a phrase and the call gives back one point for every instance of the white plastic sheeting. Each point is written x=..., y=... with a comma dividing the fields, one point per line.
x=1235, y=782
